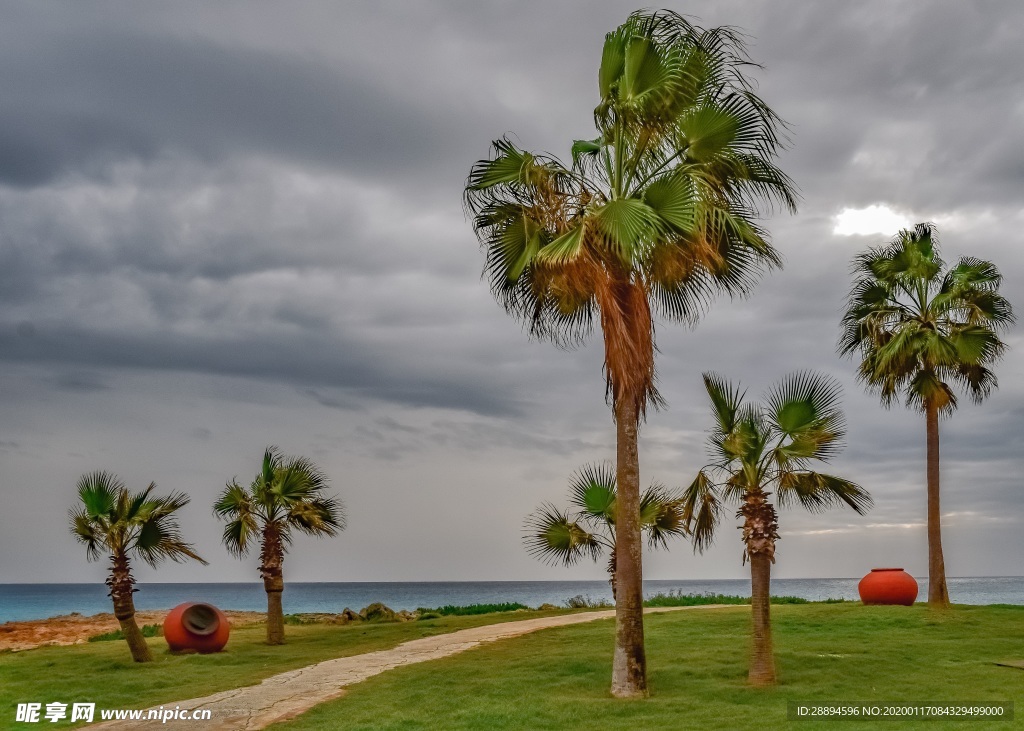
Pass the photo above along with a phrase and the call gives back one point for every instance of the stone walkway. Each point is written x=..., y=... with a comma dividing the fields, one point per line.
x=289, y=694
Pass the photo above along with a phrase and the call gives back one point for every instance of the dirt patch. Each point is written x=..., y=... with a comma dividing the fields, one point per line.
x=73, y=629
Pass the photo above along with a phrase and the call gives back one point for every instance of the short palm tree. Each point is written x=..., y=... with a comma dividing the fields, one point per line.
x=287, y=493
x=919, y=329
x=113, y=521
x=653, y=217
x=588, y=528
x=757, y=449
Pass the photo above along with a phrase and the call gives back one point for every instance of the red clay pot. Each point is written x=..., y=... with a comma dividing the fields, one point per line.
x=888, y=586
x=195, y=626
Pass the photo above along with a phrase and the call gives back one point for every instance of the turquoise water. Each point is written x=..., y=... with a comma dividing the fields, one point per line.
x=36, y=601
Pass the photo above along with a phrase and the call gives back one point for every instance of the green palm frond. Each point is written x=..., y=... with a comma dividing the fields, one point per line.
x=317, y=516
x=87, y=531
x=239, y=535
x=804, y=408
x=234, y=500
x=99, y=492
x=592, y=491
x=661, y=516
x=553, y=537
x=818, y=492
x=702, y=511
x=726, y=400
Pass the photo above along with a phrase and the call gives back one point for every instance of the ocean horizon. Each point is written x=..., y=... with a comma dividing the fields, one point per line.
x=20, y=602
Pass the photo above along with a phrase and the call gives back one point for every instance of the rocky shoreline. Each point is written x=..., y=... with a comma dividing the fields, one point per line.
x=75, y=628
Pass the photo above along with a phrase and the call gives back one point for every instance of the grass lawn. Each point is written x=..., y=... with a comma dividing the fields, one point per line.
x=103, y=672
x=558, y=679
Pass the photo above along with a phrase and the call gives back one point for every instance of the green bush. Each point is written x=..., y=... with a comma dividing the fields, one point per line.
x=587, y=602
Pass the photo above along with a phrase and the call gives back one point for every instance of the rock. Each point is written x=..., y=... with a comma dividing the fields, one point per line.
x=406, y=616
x=547, y=607
x=349, y=616
x=377, y=612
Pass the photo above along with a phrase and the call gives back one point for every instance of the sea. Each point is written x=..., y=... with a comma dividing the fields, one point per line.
x=39, y=601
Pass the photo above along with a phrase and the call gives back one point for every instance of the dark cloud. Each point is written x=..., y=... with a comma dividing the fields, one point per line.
x=93, y=100
x=224, y=226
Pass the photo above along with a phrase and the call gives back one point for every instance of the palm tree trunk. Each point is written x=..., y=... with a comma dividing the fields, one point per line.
x=271, y=568
x=629, y=666
x=762, y=655
x=275, y=611
x=122, y=586
x=611, y=573
x=760, y=530
x=938, y=594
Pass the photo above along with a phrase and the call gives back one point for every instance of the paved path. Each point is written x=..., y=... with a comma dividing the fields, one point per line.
x=287, y=695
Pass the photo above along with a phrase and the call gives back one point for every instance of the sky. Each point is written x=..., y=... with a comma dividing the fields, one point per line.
x=232, y=225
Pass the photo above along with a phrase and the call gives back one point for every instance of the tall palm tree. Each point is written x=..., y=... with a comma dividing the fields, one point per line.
x=113, y=521
x=588, y=529
x=652, y=218
x=919, y=328
x=757, y=449
x=286, y=493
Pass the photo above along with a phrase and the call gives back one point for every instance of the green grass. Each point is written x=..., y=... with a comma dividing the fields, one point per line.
x=103, y=672
x=559, y=678
x=148, y=630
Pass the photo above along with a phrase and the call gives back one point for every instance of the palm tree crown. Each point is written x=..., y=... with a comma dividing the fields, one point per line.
x=760, y=448
x=919, y=328
x=113, y=520
x=655, y=212
x=588, y=527
x=285, y=494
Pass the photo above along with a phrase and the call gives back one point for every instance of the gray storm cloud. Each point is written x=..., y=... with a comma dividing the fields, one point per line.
x=225, y=226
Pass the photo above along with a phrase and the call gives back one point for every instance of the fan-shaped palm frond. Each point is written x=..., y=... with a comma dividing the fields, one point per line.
x=564, y=537
x=592, y=491
x=553, y=537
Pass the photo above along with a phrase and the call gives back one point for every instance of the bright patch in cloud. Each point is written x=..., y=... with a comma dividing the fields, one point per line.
x=875, y=219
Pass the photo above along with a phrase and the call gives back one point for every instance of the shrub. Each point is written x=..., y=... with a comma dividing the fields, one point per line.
x=587, y=602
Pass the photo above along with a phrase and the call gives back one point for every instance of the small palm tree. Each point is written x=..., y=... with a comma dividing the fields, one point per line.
x=653, y=217
x=113, y=521
x=287, y=493
x=757, y=449
x=920, y=329
x=588, y=528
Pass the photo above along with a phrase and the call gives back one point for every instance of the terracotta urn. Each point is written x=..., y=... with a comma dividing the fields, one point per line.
x=888, y=586
x=197, y=627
